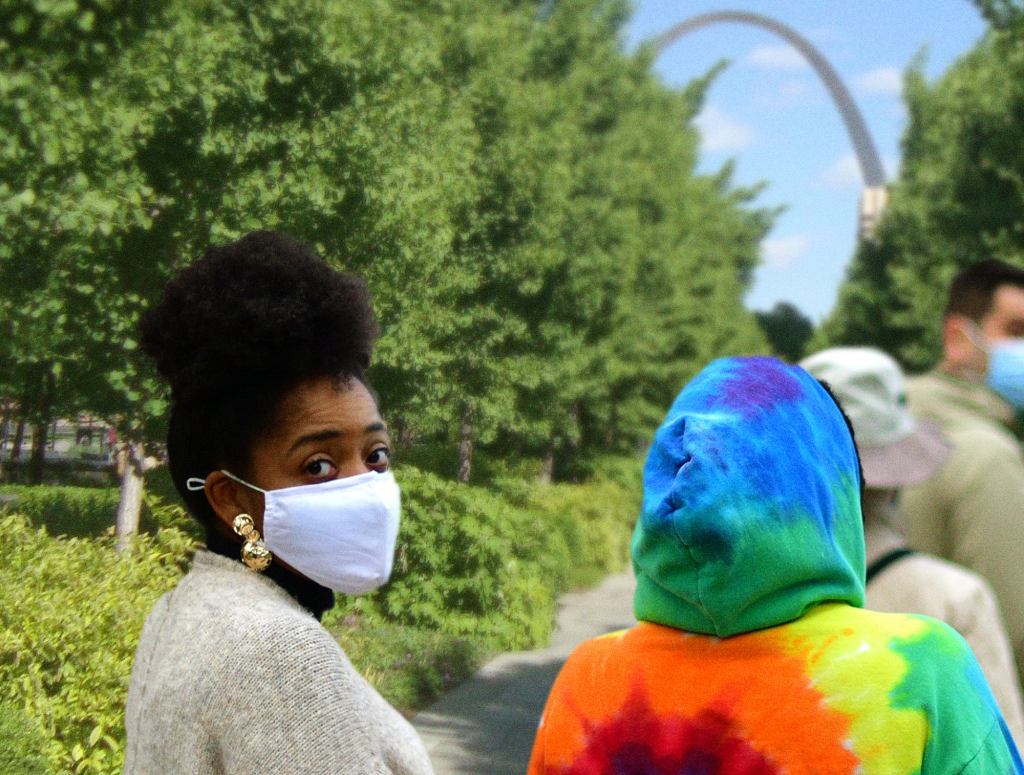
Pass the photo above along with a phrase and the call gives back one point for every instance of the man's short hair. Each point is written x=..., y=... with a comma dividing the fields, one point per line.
x=971, y=292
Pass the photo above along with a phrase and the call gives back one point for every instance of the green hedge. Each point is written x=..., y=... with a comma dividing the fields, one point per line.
x=71, y=611
x=22, y=743
x=469, y=564
x=488, y=565
x=89, y=512
x=65, y=510
x=476, y=571
x=408, y=665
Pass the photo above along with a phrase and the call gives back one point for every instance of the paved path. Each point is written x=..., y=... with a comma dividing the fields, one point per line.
x=485, y=726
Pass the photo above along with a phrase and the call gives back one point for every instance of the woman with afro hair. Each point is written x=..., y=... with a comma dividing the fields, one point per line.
x=277, y=447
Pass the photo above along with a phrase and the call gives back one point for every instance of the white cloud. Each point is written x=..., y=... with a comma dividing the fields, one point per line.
x=783, y=252
x=882, y=80
x=776, y=56
x=792, y=92
x=844, y=172
x=721, y=132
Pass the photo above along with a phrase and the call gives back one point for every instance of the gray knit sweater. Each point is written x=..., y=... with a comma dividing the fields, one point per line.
x=233, y=677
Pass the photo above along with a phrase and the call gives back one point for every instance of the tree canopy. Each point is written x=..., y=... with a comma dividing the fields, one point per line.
x=518, y=191
x=787, y=330
x=959, y=197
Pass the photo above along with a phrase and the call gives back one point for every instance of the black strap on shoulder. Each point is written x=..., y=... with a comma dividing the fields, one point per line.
x=886, y=560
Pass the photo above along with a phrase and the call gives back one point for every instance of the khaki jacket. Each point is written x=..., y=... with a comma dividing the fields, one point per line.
x=922, y=584
x=972, y=511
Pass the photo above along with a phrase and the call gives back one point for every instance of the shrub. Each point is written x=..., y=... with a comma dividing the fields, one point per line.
x=468, y=564
x=409, y=666
x=80, y=512
x=71, y=611
x=596, y=519
x=21, y=743
x=64, y=510
x=477, y=570
x=489, y=564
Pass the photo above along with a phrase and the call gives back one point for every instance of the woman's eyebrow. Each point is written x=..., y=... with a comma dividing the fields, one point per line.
x=324, y=435
x=332, y=433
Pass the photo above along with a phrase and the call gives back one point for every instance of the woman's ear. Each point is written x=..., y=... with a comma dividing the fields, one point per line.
x=228, y=499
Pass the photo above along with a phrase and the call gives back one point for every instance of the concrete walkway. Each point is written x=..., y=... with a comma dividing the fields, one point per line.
x=485, y=726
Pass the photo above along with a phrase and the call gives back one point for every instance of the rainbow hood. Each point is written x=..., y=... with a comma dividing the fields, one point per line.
x=751, y=511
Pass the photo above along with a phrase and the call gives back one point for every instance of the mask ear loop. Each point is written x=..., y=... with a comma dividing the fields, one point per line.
x=241, y=481
x=255, y=554
x=195, y=484
x=976, y=336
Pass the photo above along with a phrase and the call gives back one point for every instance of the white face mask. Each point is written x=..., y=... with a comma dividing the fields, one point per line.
x=340, y=533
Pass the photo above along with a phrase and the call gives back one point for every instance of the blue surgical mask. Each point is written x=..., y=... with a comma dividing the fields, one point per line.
x=1006, y=371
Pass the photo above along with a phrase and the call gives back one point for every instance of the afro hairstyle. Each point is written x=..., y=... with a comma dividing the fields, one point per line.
x=235, y=332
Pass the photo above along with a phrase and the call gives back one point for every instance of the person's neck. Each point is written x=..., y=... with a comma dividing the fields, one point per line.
x=315, y=598
x=961, y=371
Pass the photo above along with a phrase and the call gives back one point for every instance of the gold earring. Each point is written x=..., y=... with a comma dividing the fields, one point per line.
x=255, y=553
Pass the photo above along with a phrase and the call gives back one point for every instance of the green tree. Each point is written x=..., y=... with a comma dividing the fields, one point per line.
x=63, y=186
x=787, y=330
x=959, y=198
x=518, y=192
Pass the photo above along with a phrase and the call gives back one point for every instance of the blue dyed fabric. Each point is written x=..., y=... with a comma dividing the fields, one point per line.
x=751, y=510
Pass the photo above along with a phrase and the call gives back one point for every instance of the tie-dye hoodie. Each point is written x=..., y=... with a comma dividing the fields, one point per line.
x=753, y=655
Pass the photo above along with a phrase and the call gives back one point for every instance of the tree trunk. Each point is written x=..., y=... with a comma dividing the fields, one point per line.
x=35, y=462
x=465, y=444
x=5, y=420
x=19, y=440
x=132, y=463
x=403, y=435
x=547, y=465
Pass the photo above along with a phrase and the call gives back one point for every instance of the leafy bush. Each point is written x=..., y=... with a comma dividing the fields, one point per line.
x=21, y=743
x=71, y=611
x=596, y=520
x=468, y=564
x=489, y=564
x=477, y=571
x=63, y=510
x=80, y=512
x=409, y=666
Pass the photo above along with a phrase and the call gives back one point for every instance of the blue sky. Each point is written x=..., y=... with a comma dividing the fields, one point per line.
x=770, y=113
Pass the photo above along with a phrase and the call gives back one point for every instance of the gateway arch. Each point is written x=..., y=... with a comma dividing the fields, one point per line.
x=874, y=195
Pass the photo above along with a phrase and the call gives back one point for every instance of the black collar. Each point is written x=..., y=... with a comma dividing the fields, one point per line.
x=312, y=596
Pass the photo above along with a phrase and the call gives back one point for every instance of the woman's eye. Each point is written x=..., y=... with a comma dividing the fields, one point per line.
x=379, y=458
x=320, y=469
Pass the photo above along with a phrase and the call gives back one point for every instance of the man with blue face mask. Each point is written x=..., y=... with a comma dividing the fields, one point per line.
x=972, y=512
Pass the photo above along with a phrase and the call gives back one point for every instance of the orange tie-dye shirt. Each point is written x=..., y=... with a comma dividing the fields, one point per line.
x=837, y=692
x=753, y=656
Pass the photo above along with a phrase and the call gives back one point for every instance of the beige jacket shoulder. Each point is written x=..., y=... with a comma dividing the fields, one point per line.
x=922, y=584
x=232, y=676
x=972, y=511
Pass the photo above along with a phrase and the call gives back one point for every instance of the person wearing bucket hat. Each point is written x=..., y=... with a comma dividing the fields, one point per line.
x=752, y=654
x=897, y=451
